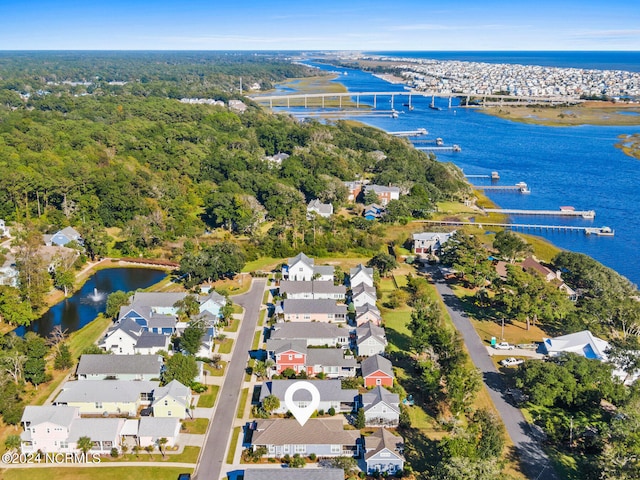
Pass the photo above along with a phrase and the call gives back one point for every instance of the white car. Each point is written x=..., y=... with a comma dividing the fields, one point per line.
x=503, y=346
x=511, y=362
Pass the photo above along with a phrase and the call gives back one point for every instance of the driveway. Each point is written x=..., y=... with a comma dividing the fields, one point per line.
x=534, y=463
x=213, y=452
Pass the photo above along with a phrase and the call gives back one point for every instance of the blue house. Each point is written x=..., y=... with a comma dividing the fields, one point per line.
x=373, y=211
x=64, y=236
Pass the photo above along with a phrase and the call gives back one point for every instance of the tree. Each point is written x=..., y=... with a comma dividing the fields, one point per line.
x=191, y=338
x=511, y=246
x=188, y=307
x=297, y=461
x=464, y=468
x=63, y=359
x=36, y=350
x=84, y=444
x=13, y=442
x=161, y=443
x=462, y=385
x=271, y=403
x=212, y=263
x=182, y=368
x=383, y=262
x=115, y=301
x=360, y=422
x=348, y=464
x=33, y=277
x=13, y=310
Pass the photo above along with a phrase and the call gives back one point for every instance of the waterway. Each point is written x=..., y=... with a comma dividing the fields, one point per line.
x=563, y=166
x=84, y=306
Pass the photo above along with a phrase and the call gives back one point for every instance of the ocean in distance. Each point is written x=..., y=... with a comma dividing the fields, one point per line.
x=599, y=60
x=577, y=166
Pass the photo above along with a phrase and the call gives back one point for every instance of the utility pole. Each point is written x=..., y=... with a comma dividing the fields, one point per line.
x=240, y=85
x=503, y=328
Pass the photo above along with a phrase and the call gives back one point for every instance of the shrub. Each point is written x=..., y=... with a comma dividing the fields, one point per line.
x=114, y=452
x=198, y=387
x=331, y=411
x=312, y=457
x=320, y=412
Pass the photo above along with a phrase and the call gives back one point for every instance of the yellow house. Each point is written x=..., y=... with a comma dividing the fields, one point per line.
x=172, y=400
x=120, y=397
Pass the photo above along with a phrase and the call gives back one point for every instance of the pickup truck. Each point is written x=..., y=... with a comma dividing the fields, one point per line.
x=503, y=346
x=511, y=362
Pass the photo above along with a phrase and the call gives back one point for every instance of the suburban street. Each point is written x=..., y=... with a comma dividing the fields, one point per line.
x=534, y=463
x=212, y=456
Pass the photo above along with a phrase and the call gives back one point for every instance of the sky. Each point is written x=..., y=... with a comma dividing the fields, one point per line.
x=361, y=25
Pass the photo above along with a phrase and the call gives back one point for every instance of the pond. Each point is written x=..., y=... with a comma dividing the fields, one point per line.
x=76, y=311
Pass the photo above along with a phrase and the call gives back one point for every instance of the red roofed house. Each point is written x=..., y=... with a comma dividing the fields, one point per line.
x=377, y=371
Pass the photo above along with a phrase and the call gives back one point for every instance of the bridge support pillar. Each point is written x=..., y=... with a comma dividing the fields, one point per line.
x=374, y=101
x=450, y=102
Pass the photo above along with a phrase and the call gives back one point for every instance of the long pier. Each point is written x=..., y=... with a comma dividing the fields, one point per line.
x=493, y=176
x=410, y=133
x=599, y=231
x=588, y=214
x=520, y=187
x=453, y=148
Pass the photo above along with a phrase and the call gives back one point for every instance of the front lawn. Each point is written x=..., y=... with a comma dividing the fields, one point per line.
x=208, y=399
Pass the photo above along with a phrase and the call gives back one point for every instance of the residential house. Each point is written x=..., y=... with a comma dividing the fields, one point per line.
x=385, y=194
x=332, y=395
x=377, y=371
x=368, y=313
x=315, y=206
x=370, y=340
x=530, y=264
x=323, y=310
x=302, y=267
x=4, y=231
x=172, y=400
x=115, y=397
x=293, y=474
x=315, y=334
x=430, y=242
x=587, y=345
x=151, y=343
x=353, y=190
x=324, y=437
x=361, y=274
x=57, y=429
x=384, y=453
x=363, y=294
x=237, y=106
x=119, y=367
x=151, y=429
x=381, y=407
x=130, y=338
x=62, y=237
x=277, y=158
x=373, y=211
x=295, y=354
x=312, y=290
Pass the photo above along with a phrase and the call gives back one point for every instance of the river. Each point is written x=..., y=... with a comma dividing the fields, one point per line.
x=574, y=166
x=82, y=307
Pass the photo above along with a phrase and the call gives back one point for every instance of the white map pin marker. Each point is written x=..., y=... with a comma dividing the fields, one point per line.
x=302, y=414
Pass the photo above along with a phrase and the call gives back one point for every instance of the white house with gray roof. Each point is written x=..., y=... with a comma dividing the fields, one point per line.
x=363, y=294
x=304, y=268
x=151, y=429
x=119, y=367
x=312, y=290
x=121, y=397
x=130, y=338
x=430, y=242
x=368, y=313
x=324, y=310
x=315, y=206
x=381, y=407
x=325, y=437
x=361, y=274
x=370, y=340
x=332, y=395
x=316, y=334
x=384, y=452
x=385, y=194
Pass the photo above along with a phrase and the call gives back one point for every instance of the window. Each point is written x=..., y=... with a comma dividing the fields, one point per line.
x=299, y=449
x=286, y=449
x=166, y=403
x=303, y=404
x=271, y=449
x=168, y=413
x=378, y=381
x=64, y=444
x=98, y=405
x=336, y=448
x=290, y=357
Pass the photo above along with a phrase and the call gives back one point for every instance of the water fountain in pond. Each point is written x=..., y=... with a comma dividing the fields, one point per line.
x=96, y=296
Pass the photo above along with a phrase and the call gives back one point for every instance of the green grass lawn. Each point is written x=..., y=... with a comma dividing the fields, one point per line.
x=263, y=315
x=100, y=473
x=189, y=455
x=208, y=399
x=216, y=372
x=233, y=326
x=225, y=346
x=196, y=425
x=256, y=340
x=263, y=263
x=243, y=402
x=234, y=441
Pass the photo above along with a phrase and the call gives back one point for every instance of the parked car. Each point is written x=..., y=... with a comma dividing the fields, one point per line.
x=511, y=362
x=503, y=346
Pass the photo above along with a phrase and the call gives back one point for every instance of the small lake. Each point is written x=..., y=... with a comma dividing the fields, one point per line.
x=84, y=306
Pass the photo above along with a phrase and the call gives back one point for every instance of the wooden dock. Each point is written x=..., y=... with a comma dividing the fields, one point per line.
x=410, y=133
x=588, y=214
x=599, y=231
x=520, y=187
x=453, y=148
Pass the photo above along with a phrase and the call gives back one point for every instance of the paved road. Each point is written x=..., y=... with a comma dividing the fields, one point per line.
x=534, y=463
x=212, y=456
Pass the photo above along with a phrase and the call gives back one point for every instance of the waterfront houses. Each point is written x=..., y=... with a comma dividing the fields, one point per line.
x=429, y=242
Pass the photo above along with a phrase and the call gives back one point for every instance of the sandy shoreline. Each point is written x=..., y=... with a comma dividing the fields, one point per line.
x=388, y=77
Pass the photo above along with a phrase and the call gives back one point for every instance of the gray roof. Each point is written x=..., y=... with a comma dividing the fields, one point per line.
x=361, y=268
x=95, y=364
x=304, y=331
x=173, y=389
x=325, y=287
x=127, y=326
x=381, y=439
x=35, y=415
x=120, y=391
x=372, y=364
x=154, y=299
x=279, y=346
x=293, y=474
x=367, y=307
x=97, y=429
x=380, y=394
x=321, y=208
x=158, y=427
x=329, y=357
x=368, y=330
x=302, y=306
x=316, y=431
x=301, y=257
x=323, y=270
x=363, y=288
x=439, y=236
x=151, y=340
x=330, y=390
x=380, y=189
x=162, y=321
